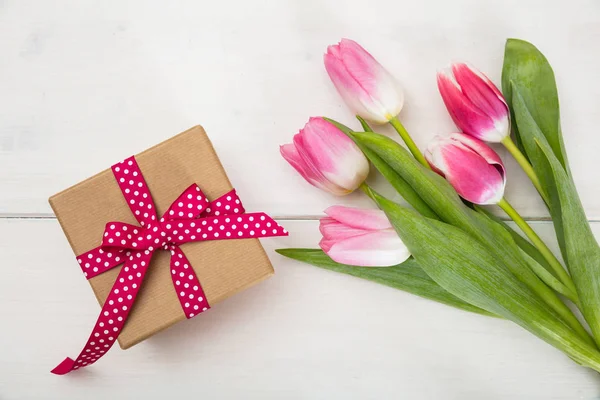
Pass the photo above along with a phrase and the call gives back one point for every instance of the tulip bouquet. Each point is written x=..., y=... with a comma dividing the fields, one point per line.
x=442, y=244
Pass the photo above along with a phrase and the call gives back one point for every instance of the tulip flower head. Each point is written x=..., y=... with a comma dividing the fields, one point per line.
x=474, y=102
x=361, y=237
x=365, y=86
x=471, y=166
x=327, y=158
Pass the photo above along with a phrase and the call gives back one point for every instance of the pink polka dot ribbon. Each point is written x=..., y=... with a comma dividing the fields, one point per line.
x=191, y=218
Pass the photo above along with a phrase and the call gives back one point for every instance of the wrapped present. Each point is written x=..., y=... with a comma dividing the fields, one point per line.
x=160, y=237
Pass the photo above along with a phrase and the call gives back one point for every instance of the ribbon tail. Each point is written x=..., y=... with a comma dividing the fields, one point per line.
x=64, y=367
x=113, y=315
x=256, y=225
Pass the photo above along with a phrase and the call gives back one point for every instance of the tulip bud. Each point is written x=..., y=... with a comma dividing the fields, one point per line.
x=472, y=167
x=360, y=237
x=366, y=87
x=474, y=102
x=327, y=158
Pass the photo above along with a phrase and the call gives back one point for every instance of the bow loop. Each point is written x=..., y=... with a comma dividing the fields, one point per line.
x=190, y=204
x=227, y=204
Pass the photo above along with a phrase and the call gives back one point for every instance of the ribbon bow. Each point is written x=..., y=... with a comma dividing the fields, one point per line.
x=191, y=218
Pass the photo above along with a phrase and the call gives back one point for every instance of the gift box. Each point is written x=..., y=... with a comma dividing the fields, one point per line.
x=223, y=267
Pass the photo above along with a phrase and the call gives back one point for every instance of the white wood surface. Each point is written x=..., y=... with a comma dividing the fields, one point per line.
x=304, y=334
x=86, y=83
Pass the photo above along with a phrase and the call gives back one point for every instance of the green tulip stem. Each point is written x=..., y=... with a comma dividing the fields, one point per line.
x=541, y=246
x=395, y=122
x=522, y=160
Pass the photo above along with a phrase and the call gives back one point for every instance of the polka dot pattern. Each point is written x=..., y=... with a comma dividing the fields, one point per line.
x=113, y=314
x=135, y=191
x=186, y=284
x=190, y=204
x=98, y=260
x=243, y=226
x=191, y=218
x=227, y=204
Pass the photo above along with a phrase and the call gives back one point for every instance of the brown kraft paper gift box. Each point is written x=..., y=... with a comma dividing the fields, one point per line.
x=224, y=267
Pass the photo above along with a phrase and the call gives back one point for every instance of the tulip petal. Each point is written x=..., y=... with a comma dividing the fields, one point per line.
x=366, y=87
x=349, y=88
x=473, y=178
x=482, y=149
x=325, y=244
x=365, y=219
x=476, y=106
x=307, y=170
x=469, y=118
x=480, y=90
x=381, y=86
x=433, y=154
x=360, y=64
x=290, y=154
x=332, y=229
x=333, y=154
x=326, y=157
x=374, y=249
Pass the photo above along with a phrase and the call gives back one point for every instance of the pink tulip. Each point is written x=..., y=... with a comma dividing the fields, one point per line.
x=366, y=87
x=364, y=238
x=474, y=102
x=472, y=167
x=327, y=158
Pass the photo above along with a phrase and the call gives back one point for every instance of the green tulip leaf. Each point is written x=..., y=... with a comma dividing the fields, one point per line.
x=528, y=82
x=364, y=124
x=408, y=277
x=582, y=249
x=444, y=201
x=523, y=243
x=526, y=69
x=578, y=244
x=466, y=268
x=546, y=276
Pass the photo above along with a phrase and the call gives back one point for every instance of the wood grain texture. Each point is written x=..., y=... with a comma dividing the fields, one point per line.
x=305, y=333
x=86, y=83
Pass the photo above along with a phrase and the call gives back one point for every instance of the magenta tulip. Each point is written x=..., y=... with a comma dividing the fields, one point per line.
x=327, y=158
x=474, y=102
x=360, y=237
x=366, y=87
x=472, y=167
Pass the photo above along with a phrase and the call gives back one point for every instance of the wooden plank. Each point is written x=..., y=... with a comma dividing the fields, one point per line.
x=87, y=83
x=304, y=334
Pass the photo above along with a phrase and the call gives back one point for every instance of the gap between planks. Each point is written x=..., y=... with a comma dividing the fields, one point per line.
x=28, y=216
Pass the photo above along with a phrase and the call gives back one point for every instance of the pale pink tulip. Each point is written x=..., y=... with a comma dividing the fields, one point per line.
x=326, y=157
x=474, y=102
x=472, y=167
x=361, y=237
x=366, y=87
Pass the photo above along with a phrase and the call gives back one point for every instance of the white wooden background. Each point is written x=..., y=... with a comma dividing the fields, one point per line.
x=86, y=83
